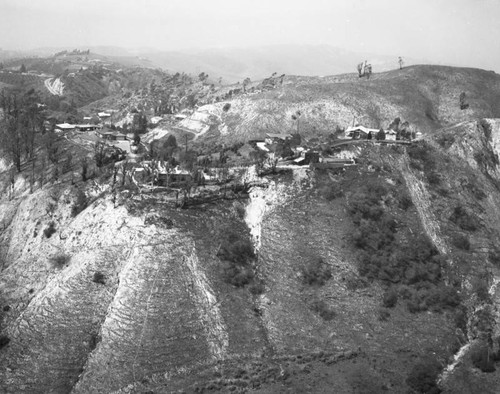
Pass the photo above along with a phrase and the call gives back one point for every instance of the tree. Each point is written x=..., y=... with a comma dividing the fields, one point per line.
x=380, y=135
x=10, y=128
x=22, y=69
x=296, y=117
x=140, y=123
x=246, y=82
x=463, y=102
x=400, y=62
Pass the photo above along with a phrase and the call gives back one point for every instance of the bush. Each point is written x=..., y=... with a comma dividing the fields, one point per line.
x=321, y=308
x=237, y=254
x=405, y=201
x=390, y=298
x=4, y=341
x=316, y=273
x=423, y=376
x=331, y=192
x=99, y=278
x=80, y=203
x=50, y=230
x=461, y=241
x=421, y=157
x=59, y=260
x=465, y=220
x=433, y=178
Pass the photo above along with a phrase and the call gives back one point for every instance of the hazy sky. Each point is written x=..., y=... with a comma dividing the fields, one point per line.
x=461, y=32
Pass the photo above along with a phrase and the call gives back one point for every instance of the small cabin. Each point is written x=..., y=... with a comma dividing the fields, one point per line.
x=272, y=138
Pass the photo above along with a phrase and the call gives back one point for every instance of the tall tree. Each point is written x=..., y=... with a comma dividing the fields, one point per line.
x=10, y=128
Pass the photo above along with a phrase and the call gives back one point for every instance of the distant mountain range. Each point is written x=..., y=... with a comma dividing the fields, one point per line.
x=235, y=64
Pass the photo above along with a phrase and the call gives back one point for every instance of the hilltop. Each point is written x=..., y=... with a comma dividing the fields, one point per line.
x=426, y=96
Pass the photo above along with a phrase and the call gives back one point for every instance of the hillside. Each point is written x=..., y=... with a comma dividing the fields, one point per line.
x=425, y=96
x=378, y=276
x=359, y=281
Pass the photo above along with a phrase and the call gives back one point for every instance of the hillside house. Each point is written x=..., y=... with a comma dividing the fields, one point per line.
x=111, y=135
x=87, y=127
x=64, y=127
x=360, y=132
x=272, y=138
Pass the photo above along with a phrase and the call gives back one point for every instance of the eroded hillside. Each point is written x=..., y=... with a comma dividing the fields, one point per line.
x=363, y=280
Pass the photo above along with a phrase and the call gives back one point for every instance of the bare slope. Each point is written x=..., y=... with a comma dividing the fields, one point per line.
x=425, y=96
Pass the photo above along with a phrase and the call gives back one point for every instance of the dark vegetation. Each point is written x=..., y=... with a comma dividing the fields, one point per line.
x=99, y=278
x=464, y=219
x=321, y=308
x=411, y=271
x=316, y=272
x=483, y=357
x=4, y=341
x=59, y=260
x=80, y=203
x=237, y=256
x=50, y=230
x=423, y=376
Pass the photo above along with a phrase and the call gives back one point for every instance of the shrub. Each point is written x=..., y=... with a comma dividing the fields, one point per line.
x=50, y=230
x=4, y=341
x=494, y=256
x=465, y=220
x=461, y=241
x=331, y=192
x=99, y=278
x=316, y=273
x=321, y=308
x=405, y=201
x=482, y=357
x=390, y=298
x=422, y=378
x=433, y=178
x=257, y=287
x=237, y=275
x=486, y=126
x=59, y=260
x=421, y=156
x=237, y=254
x=80, y=203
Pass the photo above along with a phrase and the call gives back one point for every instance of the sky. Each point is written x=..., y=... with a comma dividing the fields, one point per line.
x=456, y=32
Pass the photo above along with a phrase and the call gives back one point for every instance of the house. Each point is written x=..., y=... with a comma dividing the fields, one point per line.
x=390, y=135
x=360, y=132
x=272, y=138
x=86, y=127
x=111, y=135
x=64, y=127
x=104, y=115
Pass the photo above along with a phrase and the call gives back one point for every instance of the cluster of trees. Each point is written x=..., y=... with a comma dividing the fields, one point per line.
x=21, y=119
x=364, y=69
